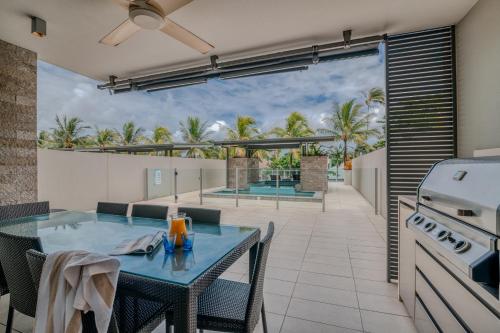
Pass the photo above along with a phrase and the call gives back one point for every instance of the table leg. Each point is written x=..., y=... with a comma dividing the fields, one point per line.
x=185, y=314
x=251, y=261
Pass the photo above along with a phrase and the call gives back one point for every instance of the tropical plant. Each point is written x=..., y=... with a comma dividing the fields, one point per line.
x=336, y=159
x=68, y=132
x=195, y=131
x=44, y=139
x=104, y=137
x=296, y=126
x=373, y=97
x=160, y=135
x=283, y=162
x=130, y=134
x=315, y=150
x=244, y=129
x=363, y=148
x=347, y=124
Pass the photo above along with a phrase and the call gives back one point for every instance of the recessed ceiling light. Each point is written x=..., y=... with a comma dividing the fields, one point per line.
x=38, y=27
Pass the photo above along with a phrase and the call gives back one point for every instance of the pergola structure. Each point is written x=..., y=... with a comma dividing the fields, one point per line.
x=167, y=148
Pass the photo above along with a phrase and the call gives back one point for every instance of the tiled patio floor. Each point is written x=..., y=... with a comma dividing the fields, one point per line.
x=326, y=271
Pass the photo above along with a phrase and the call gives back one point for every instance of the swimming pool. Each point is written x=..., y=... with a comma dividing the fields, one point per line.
x=259, y=190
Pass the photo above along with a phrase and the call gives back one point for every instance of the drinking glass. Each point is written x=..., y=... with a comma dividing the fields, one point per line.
x=169, y=242
x=188, y=240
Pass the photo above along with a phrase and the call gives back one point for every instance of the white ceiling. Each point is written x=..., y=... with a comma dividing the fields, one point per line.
x=234, y=27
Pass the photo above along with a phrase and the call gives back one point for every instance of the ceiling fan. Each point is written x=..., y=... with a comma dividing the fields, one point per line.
x=152, y=15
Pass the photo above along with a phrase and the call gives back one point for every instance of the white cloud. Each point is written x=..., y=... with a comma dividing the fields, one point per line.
x=218, y=126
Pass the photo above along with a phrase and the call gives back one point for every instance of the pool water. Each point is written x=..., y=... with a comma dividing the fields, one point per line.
x=259, y=190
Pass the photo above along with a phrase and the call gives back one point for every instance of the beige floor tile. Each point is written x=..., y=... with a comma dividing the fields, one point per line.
x=376, y=322
x=376, y=287
x=340, y=270
x=295, y=325
x=380, y=303
x=369, y=274
x=279, y=287
x=277, y=304
x=329, y=281
x=325, y=295
x=325, y=313
x=284, y=274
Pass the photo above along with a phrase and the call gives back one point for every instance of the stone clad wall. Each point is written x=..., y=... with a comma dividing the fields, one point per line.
x=18, y=155
x=248, y=171
x=314, y=173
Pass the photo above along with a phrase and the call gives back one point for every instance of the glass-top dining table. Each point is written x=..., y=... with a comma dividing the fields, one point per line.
x=176, y=278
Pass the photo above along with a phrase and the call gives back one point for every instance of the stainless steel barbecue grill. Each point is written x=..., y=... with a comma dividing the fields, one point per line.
x=457, y=230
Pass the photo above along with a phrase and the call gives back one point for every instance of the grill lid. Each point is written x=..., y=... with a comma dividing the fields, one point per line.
x=466, y=189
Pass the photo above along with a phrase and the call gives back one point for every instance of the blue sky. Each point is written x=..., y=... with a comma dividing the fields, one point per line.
x=269, y=98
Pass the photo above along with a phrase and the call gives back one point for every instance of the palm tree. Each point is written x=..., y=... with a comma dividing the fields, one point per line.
x=372, y=97
x=104, y=137
x=160, y=135
x=195, y=131
x=130, y=135
x=296, y=126
x=244, y=129
x=348, y=125
x=336, y=157
x=68, y=132
x=44, y=139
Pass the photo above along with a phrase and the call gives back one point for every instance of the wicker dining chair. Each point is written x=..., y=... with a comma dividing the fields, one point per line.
x=150, y=211
x=114, y=208
x=231, y=306
x=205, y=215
x=17, y=273
x=17, y=211
x=131, y=312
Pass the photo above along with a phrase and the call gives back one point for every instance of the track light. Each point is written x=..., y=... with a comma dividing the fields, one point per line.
x=38, y=27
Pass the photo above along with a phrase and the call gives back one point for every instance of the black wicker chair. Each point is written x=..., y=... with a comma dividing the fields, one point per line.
x=112, y=208
x=150, y=211
x=17, y=273
x=131, y=311
x=18, y=211
x=204, y=215
x=230, y=306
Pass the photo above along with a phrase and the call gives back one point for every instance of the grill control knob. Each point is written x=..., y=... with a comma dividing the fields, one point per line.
x=461, y=246
x=443, y=235
x=429, y=226
x=418, y=219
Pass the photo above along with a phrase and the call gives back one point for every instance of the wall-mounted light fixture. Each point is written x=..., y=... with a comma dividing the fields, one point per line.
x=38, y=27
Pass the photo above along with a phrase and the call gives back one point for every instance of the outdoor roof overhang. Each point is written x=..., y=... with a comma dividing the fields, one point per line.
x=278, y=62
x=143, y=148
x=275, y=143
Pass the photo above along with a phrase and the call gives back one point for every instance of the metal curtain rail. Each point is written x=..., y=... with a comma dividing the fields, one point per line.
x=421, y=117
x=297, y=59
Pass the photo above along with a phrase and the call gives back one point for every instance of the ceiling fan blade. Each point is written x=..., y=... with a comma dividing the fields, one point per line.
x=121, y=33
x=185, y=36
x=168, y=6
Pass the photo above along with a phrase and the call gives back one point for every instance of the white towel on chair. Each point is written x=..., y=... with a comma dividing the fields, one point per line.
x=73, y=282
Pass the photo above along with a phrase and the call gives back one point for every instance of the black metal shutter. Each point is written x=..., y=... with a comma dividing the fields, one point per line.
x=421, y=116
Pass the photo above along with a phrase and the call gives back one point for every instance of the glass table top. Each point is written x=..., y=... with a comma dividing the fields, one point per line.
x=101, y=233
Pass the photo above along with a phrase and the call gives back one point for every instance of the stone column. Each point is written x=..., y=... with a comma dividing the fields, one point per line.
x=18, y=160
x=314, y=173
x=248, y=171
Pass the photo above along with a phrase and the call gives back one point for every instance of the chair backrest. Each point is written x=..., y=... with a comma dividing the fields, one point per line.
x=150, y=211
x=14, y=212
x=202, y=215
x=114, y=208
x=23, y=210
x=36, y=260
x=17, y=273
x=257, y=285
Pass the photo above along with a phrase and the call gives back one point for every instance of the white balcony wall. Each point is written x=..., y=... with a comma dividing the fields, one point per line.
x=478, y=83
x=363, y=178
x=77, y=180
